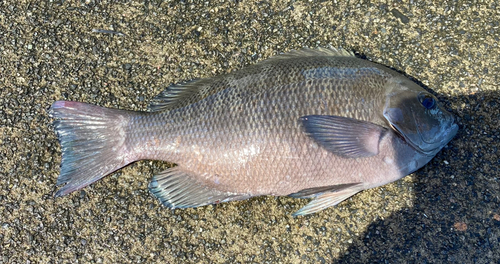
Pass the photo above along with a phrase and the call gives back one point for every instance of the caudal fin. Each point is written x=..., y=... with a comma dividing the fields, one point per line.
x=92, y=142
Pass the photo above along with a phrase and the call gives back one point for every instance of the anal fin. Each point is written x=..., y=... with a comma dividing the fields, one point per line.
x=329, y=196
x=178, y=188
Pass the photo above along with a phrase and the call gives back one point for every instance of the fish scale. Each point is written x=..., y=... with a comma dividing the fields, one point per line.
x=319, y=124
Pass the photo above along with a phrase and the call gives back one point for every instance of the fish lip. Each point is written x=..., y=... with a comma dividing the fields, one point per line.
x=450, y=134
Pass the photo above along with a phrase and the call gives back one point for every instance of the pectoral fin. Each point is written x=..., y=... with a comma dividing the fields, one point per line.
x=335, y=195
x=344, y=136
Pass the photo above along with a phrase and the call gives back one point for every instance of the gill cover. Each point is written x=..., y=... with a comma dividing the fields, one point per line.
x=418, y=117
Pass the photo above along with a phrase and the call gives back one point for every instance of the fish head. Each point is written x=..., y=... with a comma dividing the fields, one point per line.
x=417, y=116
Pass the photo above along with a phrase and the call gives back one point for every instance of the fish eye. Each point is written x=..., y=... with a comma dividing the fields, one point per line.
x=427, y=100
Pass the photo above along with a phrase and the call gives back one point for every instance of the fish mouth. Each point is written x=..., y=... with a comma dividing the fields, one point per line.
x=450, y=133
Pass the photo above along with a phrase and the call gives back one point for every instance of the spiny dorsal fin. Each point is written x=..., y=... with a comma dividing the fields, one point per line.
x=181, y=95
x=307, y=52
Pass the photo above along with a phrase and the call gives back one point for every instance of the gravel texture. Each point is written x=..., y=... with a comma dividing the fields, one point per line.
x=446, y=212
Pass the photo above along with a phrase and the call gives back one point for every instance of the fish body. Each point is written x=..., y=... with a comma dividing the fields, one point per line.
x=319, y=124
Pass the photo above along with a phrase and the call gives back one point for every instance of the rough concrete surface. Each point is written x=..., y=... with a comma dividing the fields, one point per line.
x=446, y=212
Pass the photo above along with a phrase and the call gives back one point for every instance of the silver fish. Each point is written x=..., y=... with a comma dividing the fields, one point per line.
x=318, y=124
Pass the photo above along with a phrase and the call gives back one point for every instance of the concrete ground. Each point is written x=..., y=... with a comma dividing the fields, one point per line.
x=446, y=212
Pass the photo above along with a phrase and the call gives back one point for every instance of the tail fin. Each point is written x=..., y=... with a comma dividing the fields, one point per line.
x=92, y=143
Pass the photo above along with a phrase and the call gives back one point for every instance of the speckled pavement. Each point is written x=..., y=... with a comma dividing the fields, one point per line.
x=447, y=212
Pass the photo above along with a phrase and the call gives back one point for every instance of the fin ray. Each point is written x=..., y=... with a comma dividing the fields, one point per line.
x=344, y=136
x=90, y=149
x=328, y=199
x=180, y=95
x=313, y=192
x=178, y=188
x=308, y=52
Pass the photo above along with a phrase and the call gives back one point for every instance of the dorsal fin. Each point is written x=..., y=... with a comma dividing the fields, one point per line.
x=181, y=95
x=307, y=52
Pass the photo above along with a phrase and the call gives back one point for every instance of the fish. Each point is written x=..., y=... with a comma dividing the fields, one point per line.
x=316, y=123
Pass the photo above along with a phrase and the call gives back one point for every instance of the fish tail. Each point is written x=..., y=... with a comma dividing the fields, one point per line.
x=92, y=142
